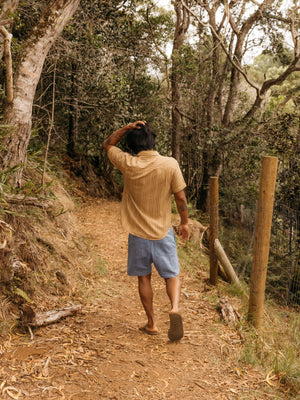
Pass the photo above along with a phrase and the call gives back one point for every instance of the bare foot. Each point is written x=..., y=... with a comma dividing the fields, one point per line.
x=146, y=329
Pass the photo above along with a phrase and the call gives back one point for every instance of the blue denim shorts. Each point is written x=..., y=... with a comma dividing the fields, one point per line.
x=162, y=253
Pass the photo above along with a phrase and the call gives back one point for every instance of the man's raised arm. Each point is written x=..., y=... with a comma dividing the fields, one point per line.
x=116, y=136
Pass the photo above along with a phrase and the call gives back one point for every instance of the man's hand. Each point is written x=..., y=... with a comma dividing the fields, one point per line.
x=181, y=204
x=116, y=136
x=184, y=232
x=136, y=124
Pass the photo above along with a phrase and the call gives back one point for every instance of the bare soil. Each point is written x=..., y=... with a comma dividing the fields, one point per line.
x=101, y=354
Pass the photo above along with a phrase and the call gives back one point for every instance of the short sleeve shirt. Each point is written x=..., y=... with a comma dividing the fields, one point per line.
x=149, y=181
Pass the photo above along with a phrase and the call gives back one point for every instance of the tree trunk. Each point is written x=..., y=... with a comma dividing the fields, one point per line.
x=73, y=116
x=182, y=24
x=215, y=74
x=18, y=114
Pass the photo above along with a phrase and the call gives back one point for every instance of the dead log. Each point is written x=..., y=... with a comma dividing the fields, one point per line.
x=28, y=317
x=228, y=312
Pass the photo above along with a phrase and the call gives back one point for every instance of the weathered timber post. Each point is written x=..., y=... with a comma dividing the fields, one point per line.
x=262, y=240
x=213, y=227
x=226, y=264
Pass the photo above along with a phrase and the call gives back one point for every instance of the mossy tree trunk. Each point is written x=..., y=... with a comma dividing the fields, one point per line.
x=18, y=112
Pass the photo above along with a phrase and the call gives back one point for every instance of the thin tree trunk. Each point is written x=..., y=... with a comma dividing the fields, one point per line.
x=51, y=123
x=182, y=24
x=73, y=116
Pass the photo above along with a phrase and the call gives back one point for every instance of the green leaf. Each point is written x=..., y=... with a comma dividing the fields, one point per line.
x=21, y=293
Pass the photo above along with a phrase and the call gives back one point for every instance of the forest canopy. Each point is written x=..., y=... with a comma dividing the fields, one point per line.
x=217, y=80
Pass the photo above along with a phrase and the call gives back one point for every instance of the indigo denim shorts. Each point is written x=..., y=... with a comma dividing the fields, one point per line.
x=162, y=253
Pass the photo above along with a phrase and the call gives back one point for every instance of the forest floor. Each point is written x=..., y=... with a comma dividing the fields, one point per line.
x=100, y=353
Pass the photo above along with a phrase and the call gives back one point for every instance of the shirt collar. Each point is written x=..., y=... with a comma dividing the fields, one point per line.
x=147, y=153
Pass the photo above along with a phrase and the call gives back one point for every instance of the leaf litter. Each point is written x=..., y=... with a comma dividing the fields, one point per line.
x=100, y=353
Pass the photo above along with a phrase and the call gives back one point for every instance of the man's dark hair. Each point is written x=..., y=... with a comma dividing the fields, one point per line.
x=141, y=138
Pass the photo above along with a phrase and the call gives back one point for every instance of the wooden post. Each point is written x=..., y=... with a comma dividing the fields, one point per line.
x=262, y=240
x=226, y=264
x=213, y=228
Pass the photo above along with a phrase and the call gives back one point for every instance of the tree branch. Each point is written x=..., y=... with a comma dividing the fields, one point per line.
x=235, y=64
x=8, y=7
x=293, y=67
x=158, y=48
x=184, y=115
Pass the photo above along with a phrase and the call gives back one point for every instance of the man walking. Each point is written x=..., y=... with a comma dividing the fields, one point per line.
x=149, y=181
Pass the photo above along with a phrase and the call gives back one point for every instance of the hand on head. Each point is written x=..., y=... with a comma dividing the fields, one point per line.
x=137, y=124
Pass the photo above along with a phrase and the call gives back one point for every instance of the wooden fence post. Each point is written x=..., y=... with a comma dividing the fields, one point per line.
x=213, y=228
x=262, y=240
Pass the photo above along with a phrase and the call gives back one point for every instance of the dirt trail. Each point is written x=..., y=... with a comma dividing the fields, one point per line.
x=101, y=354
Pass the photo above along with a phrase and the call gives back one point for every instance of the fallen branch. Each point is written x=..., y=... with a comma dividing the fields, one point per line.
x=29, y=317
x=6, y=225
x=26, y=201
x=228, y=313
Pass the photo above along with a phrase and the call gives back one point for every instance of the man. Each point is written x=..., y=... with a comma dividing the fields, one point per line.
x=149, y=180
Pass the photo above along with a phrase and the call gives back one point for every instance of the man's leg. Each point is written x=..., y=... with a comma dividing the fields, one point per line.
x=173, y=290
x=146, y=296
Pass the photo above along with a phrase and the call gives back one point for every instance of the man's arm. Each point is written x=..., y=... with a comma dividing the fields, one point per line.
x=181, y=204
x=116, y=136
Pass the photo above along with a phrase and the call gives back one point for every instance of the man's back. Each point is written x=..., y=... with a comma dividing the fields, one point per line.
x=149, y=180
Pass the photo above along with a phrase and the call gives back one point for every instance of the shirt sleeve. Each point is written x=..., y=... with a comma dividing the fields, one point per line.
x=178, y=182
x=118, y=158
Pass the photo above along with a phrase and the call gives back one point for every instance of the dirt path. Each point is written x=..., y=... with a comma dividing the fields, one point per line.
x=101, y=354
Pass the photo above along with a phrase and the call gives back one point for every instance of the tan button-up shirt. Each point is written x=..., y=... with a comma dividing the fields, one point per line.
x=149, y=180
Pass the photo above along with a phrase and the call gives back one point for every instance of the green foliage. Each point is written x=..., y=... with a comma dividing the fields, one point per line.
x=107, y=51
x=110, y=70
x=286, y=362
x=5, y=176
